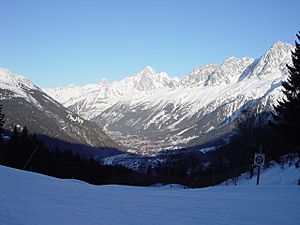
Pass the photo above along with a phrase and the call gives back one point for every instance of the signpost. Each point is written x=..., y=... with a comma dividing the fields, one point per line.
x=259, y=160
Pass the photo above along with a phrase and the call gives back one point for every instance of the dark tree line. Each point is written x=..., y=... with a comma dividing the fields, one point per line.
x=25, y=151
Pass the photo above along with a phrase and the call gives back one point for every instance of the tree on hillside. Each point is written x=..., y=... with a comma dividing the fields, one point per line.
x=287, y=111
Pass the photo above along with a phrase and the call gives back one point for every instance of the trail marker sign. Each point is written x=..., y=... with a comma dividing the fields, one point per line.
x=259, y=159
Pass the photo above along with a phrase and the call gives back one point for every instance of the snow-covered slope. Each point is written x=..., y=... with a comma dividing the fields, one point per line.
x=28, y=198
x=17, y=86
x=275, y=174
x=25, y=104
x=92, y=99
x=151, y=111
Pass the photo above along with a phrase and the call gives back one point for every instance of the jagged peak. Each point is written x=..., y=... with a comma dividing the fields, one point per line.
x=234, y=59
x=148, y=70
x=104, y=83
x=278, y=51
x=270, y=63
x=281, y=44
x=231, y=58
x=203, y=68
x=150, y=73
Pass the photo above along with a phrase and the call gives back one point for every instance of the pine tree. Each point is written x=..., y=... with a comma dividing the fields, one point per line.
x=287, y=112
x=24, y=133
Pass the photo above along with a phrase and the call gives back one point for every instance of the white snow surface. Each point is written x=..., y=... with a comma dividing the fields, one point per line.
x=275, y=174
x=30, y=199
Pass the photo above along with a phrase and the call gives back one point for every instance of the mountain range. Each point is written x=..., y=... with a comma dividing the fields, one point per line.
x=25, y=104
x=152, y=111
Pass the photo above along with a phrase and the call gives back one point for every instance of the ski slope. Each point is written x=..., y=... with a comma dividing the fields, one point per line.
x=32, y=199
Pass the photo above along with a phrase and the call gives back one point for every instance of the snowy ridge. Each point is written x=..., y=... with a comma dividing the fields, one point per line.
x=159, y=111
x=100, y=96
x=274, y=61
x=17, y=84
x=10, y=79
x=229, y=71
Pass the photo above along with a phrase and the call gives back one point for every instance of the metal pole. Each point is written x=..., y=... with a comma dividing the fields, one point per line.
x=37, y=147
x=258, y=175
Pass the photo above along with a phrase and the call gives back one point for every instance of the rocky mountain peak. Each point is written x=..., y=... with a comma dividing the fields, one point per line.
x=104, y=83
x=148, y=70
x=273, y=62
x=147, y=80
x=199, y=76
x=229, y=71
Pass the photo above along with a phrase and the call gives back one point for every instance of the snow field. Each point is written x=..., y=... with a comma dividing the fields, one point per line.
x=28, y=198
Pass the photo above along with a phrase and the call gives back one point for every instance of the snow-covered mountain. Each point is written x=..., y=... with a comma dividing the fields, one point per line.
x=151, y=111
x=25, y=104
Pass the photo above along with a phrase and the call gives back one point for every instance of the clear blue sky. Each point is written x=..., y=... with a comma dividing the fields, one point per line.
x=58, y=42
